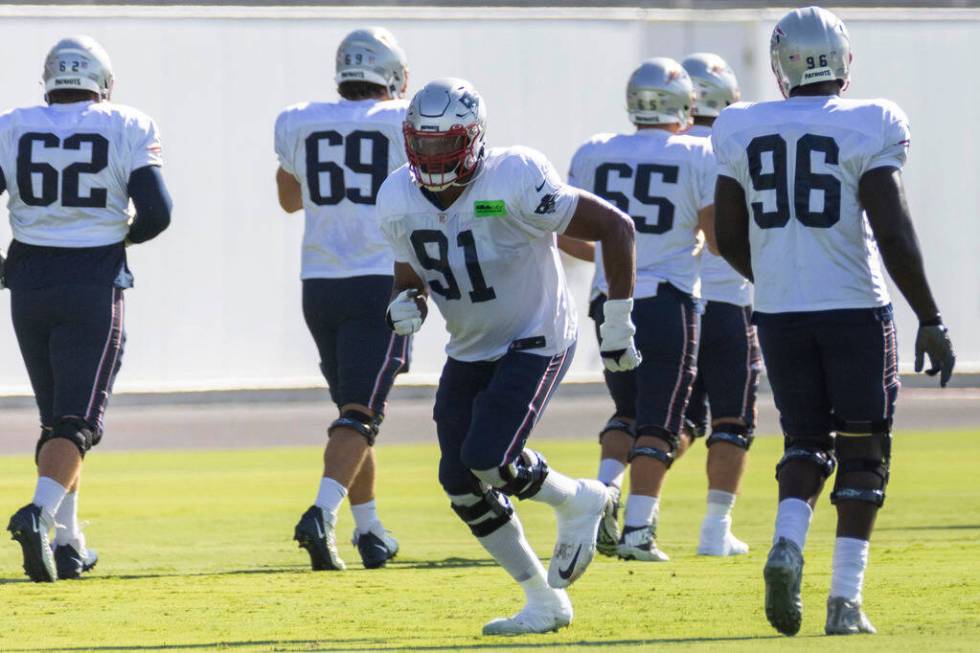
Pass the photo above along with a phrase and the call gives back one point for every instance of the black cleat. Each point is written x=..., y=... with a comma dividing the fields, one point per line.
x=72, y=564
x=375, y=551
x=27, y=527
x=784, y=574
x=315, y=533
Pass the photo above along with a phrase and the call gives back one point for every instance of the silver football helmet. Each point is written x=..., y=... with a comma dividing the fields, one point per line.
x=373, y=55
x=808, y=46
x=445, y=133
x=660, y=92
x=715, y=86
x=78, y=62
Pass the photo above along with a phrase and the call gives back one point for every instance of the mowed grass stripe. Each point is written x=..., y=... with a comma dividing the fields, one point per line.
x=196, y=555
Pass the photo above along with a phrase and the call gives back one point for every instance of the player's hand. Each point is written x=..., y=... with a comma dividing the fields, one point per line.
x=619, y=353
x=934, y=341
x=404, y=315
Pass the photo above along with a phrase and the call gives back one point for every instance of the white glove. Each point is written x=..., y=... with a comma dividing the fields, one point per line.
x=619, y=353
x=404, y=316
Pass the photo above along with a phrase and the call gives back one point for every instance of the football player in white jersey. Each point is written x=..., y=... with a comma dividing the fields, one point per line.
x=665, y=181
x=729, y=360
x=809, y=199
x=70, y=168
x=474, y=228
x=333, y=158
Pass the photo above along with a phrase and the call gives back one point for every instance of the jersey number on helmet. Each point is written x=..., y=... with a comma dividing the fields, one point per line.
x=335, y=190
x=641, y=192
x=806, y=181
x=27, y=168
x=440, y=263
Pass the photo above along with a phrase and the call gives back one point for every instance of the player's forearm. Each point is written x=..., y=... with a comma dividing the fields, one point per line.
x=289, y=191
x=731, y=226
x=596, y=220
x=903, y=260
x=152, y=202
x=580, y=249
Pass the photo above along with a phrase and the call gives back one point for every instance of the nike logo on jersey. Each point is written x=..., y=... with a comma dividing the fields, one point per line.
x=541, y=185
x=566, y=573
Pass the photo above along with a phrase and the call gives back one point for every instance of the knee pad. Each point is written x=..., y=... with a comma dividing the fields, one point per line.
x=819, y=458
x=736, y=434
x=483, y=513
x=666, y=457
x=617, y=424
x=521, y=478
x=672, y=439
x=71, y=428
x=366, y=425
x=862, y=455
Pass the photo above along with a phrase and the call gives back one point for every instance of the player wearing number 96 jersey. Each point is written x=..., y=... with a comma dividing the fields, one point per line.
x=665, y=181
x=810, y=191
x=70, y=168
x=333, y=158
x=474, y=228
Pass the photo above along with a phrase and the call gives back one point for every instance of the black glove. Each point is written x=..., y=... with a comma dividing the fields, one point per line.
x=933, y=339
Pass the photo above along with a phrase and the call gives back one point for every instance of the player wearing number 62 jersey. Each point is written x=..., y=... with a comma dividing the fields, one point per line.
x=665, y=181
x=333, y=158
x=810, y=191
x=474, y=228
x=71, y=168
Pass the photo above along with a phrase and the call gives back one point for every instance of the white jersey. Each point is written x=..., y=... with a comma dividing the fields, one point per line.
x=719, y=280
x=661, y=180
x=799, y=162
x=67, y=169
x=341, y=153
x=490, y=260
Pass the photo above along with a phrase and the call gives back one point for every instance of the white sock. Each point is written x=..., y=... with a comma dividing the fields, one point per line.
x=641, y=510
x=67, y=520
x=556, y=489
x=330, y=496
x=720, y=504
x=793, y=521
x=850, y=561
x=48, y=495
x=365, y=516
x=611, y=472
x=511, y=550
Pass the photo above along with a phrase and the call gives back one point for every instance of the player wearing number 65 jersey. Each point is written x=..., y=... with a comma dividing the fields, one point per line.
x=809, y=199
x=71, y=168
x=333, y=158
x=665, y=181
x=474, y=228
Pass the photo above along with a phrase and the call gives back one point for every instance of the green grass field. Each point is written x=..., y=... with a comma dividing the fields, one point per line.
x=196, y=555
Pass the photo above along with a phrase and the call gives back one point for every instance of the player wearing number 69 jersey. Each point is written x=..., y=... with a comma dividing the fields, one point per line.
x=71, y=168
x=809, y=199
x=665, y=181
x=333, y=158
x=474, y=228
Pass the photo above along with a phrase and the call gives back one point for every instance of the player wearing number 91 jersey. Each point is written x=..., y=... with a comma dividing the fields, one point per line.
x=476, y=227
x=333, y=158
x=665, y=181
x=71, y=168
x=809, y=190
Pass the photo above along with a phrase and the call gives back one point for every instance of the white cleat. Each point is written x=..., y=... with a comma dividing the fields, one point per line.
x=719, y=541
x=578, y=521
x=640, y=543
x=536, y=617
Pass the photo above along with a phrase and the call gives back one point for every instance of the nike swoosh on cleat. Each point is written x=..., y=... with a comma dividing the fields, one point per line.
x=567, y=572
x=34, y=523
x=319, y=531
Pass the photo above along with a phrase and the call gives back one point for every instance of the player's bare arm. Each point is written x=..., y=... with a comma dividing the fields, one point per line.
x=290, y=192
x=706, y=225
x=583, y=250
x=882, y=194
x=597, y=221
x=731, y=225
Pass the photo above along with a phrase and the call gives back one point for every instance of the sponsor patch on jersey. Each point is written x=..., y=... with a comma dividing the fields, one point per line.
x=489, y=208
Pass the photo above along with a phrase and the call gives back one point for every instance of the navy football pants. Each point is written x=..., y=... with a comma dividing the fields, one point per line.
x=72, y=339
x=485, y=411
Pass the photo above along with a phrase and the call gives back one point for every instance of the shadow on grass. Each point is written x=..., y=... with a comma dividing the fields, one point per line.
x=372, y=645
x=448, y=563
x=940, y=527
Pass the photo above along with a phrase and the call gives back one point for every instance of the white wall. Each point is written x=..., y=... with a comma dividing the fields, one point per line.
x=217, y=302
